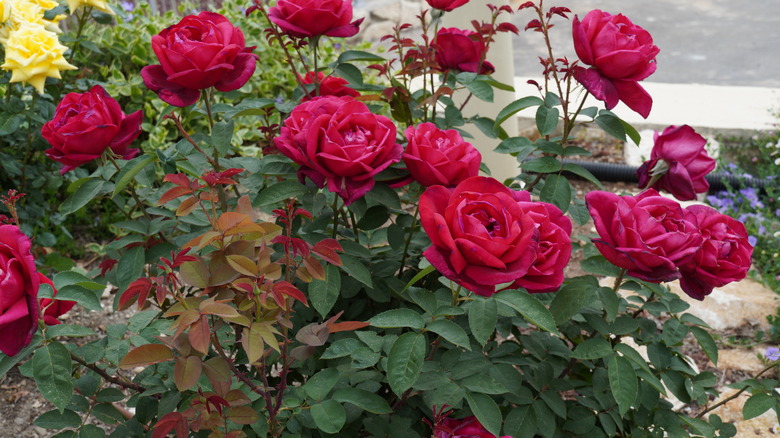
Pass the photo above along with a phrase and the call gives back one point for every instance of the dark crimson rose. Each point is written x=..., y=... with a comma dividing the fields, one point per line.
x=312, y=18
x=554, y=250
x=338, y=140
x=439, y=157
x=678, y=163
x=468, y=427
x=459, y=49
x=724, y=257
x=53, y=309
x=201, y=51
x=647, y=234
x=620, y=54
x=86, y=124
x=480, y=235
x=19, y=284
x=329, y=86
x=446, y=5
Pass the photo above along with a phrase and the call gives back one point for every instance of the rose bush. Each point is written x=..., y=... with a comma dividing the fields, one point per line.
x=439, y=157
x=19, y=284
x=313, y=18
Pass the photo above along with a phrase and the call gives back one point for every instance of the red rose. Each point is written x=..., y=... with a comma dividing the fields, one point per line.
x=53, y=309
x=725, y=254
x=678, y=163
x=18, y=291
x=554, y=250
x=468, y=427
x=480, y=235
x=446, y=5
x=201, y=51
x=86, y=124
x=647, y=234
x=329, y=86
x=458, y=49
x=311, y=18
x=620, y=54
x=338, y=140
x=439, y=157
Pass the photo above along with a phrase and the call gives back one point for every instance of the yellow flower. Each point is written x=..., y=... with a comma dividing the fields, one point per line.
x=97, y=4
x=5, y=10
x=31, y=12
x=33, y=53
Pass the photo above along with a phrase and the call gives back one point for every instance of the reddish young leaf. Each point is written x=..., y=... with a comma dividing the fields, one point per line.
x=173, y=194
x=107, y=265
x=138, y=288
x=346, y=326
x=242, y=415
x=172, y=421
x=146, y=354
x=508, y=27
x=291, y=291
x=200, y=335
x=526, y=5
x=187, y=371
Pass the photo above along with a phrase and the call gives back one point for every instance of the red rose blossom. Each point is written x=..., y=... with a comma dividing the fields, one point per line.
x=480, y=235
x=53, y=309
x=329, y=86
x=338, y=140
x=19, y=283
x=459, y=49
x=312, y=18
x=86, y=124
x=620, y=54
x=439, y=157
x=678, y=163
x=201, y=51
x=446, y=5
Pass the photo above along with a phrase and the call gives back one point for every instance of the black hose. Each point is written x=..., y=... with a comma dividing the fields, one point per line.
x=719, y=181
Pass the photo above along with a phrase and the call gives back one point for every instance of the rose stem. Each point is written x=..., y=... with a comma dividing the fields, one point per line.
x=409, y=239
x=335, y=216
x=110, y=156
x=314, y=42
x=81, y=22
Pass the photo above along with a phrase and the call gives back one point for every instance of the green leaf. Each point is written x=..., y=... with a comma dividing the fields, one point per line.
x=70, y=330
x=481, y=89
x=757, y=405
x=546, y=119
x=622, y=382
x=323, y=294
x=221, y=135
x=706, y=342
x=611, y=124
x=358, y=55
x=55, y=419
x=350, y=73
x=528, y=306
x=516, y=145
x=600, y=266
x=633, y=134
x=132, y=266
x=398, y=318
x=516, y=106
x=320, y=384
x=486, y=410
x=10, y=123
x=51, y=366
x=573, y=296
x=405, y=361
x=130, y=170
x=521, y=422
x=591, y=349
x=85, y=298
x=329, y=416
x=356, y=269
x=278, y=192
x=450, y=331
x=427, y=270
x=556, y=191
x=86, y=191
x=373, y=218
x=363, y=399
x=582, y=172
x=542, y=165
x=483, y=384
x=579, y=212
x=91, y=431
x=610, y=302
x=483, y=314
x=8, y=362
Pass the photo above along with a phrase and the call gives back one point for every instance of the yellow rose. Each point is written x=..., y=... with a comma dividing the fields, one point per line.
x=97, y=4
x=5, y=10
x=31, y=12
x=32, y=54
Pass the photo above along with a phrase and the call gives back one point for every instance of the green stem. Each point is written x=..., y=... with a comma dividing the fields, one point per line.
x=619, y=281
x=314, y=42
x=205, y=94
x=409, y=239
x=82, y=21
x=335, y=216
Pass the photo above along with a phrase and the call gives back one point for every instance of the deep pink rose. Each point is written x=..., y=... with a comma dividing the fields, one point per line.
x=439, y=157
x=678, y=163
x=468, y=427
x=338, y=140
x=329, y=86
x=201, y=51
x=86, y=124
x=446, y=5
x=620, y=54
x=311, y=18
x=724, y=257
x=53, y=309
x=553, y=252
x=647, y=234
x=480, y=235
x=18, y=291
x=459, y=49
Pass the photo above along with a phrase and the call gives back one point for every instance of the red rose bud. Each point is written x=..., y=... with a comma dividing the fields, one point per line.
x=338, y=140
x=446, y=5
x=201, y=51
x=480, y=235
x=458, y=49
x=53, y=309
x=724, y=257
x=678, y=163
x=311, y=18
x=329, y=86
x=19, y=283
x=439, y=157
x=620, y=54
x=647, y=234
x=86, y=124
x=468, y=427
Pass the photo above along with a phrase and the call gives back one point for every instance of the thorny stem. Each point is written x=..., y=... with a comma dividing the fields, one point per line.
x=738, y=393
x=618, y=281
x=115, y=380
x=278, y=36
x=236, y=372
x=409, y=239
x=187, y=137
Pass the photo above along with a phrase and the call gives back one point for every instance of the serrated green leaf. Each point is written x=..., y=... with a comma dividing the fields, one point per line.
x=546, y=119
x=706, y=342
x=363, y=399
x=329, y=416
x=323, y=294
x=405, y=361
x=55, y=419
x=320, y=384
x=355, y=268
x=556, y=191
x=532, y=309
x=572, y=297
x=542, y=165
x=622, y=382
x=85, y=192
x=358, y=55
x=450, y=331
x=130, y=170
x=516, y=106
x=757, y=404
x=221, y=135
x=582, y=172
x=611, y=124
x=486, y=410
x=85, y=298
x=280, y=191
x=483, y=314
x=51, y=366
x=591, y=349
x=398, y=318
x=69, y=330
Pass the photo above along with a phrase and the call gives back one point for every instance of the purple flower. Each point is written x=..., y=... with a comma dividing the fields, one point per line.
x=127, y=6
x=752, y=240
x=772, y=353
